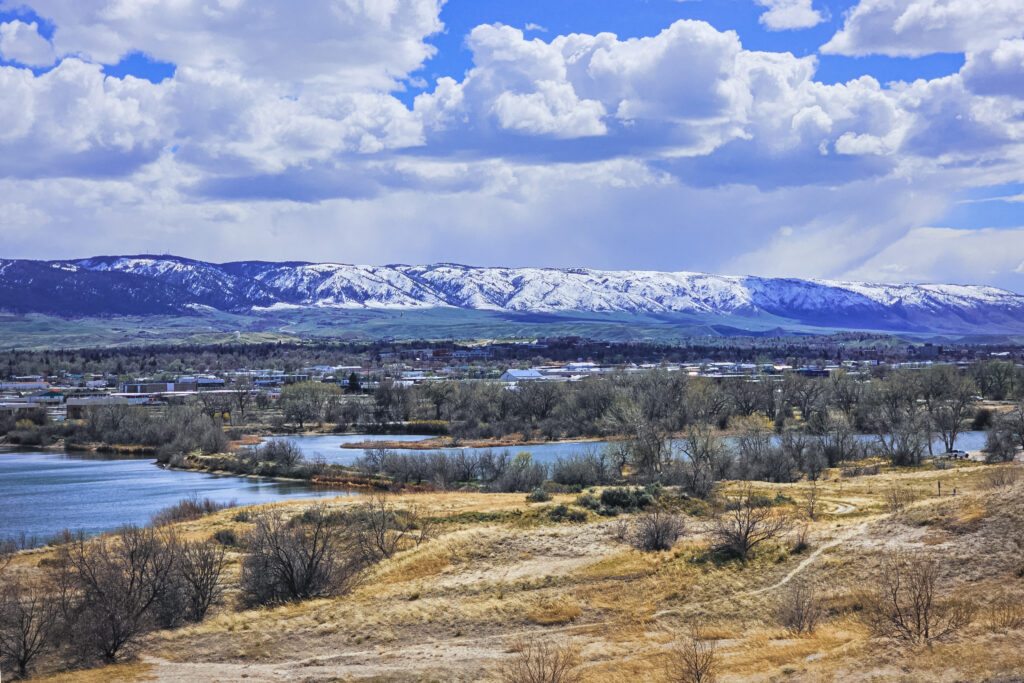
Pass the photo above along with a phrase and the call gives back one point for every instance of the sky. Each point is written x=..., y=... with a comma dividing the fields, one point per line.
x=876, y=140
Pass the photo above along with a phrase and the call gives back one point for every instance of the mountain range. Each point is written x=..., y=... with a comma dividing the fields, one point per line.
x=169, y=285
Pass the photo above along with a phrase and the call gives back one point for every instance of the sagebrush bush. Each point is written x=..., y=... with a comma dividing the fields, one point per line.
x=538, y=495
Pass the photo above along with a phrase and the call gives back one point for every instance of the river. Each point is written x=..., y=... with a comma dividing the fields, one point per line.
x=43, y=492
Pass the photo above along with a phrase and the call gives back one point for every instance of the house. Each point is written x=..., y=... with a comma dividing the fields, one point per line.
x=521, y=376
x=146, y=387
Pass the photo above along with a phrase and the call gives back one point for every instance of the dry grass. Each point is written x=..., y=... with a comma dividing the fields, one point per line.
x=554, y=611
x=448, y=609
x=136, y=671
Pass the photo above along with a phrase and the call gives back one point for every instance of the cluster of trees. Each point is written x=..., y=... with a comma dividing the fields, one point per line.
x=905, y=408
x=1006, y=435
x=495, y=470
x=171, y=431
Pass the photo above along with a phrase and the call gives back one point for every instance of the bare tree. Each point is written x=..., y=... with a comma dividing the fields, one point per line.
x=906, y=605
x=242, y=395
x=307, y=558
x=799, y=609
x=28, y=617
x=707, y=459
x=811, y=504
x=692, y=658
x=750, y=523
x=948, y=397
x=539, y=661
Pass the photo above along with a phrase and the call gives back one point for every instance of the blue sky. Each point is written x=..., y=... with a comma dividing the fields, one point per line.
x=841, y=139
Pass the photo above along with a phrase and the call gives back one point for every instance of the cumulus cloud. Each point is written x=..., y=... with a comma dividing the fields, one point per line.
x=911, y=28
x=355, y=44
x=73, y=121
x=999, y=71
x=787, y=15
x=22, y=43
x=633, y=91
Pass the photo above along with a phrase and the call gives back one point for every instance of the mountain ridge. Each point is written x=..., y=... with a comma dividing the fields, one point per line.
x=147, y=284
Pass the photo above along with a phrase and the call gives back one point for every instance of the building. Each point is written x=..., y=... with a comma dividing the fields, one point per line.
x=521, y=376
x=77, y=408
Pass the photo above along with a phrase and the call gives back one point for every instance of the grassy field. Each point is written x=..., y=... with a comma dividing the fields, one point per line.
x=499, y=570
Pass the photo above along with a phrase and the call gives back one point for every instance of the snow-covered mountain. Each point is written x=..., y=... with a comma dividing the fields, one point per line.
x=139, y=285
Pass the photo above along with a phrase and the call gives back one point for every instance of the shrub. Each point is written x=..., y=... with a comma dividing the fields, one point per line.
x=521, y=474
x=563, y=513
x=658, y=530
x=625, y=498
x=1001, y=477
x=194, y=585
x=1005, y=612
x=800, y=609
x=584, y=469
x=287, y=562
x=983, y=419
x=897, y=498
x=537, y=661
x=738, y=532
x=226, y=537
x=1000, y=444
x=692, y=658
x=538, y=495
x=280, y=452
x=801, y=543
x=379, y=530
x=589, y=501
x=188, y=509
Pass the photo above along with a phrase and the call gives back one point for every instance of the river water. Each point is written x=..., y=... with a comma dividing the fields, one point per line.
x=43, y=492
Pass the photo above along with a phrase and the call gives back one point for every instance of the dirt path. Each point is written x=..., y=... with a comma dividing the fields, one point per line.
x=807, y=561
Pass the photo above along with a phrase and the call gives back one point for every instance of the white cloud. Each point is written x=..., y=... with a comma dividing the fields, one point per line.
x=951, y=256
x=21, y=42
x=787, y=15
x=530, y=26
x=677, y=150
x=74, y=121
x=999, y=71
x=918, y=27
x=353, y=44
